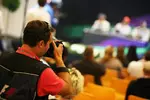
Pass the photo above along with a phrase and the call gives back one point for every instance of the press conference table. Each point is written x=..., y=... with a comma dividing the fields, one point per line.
x=105, y=39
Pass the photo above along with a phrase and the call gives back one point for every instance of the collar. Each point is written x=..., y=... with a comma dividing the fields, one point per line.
x=25, y=51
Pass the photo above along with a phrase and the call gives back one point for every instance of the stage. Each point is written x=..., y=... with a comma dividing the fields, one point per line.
x=102, y=39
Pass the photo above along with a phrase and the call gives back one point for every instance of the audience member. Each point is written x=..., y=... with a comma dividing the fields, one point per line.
x=89, y=66
x=123, y=28
x=54, y=14
x=101, y=24
x=38, y=13
x=109, y=61
x=141, y=86
x=135, y=68
x=1, y=23
x=51, y=8
x=76, y=77
x=24, y=77
x=121, y=56
x=132, y=55
x=141, y=32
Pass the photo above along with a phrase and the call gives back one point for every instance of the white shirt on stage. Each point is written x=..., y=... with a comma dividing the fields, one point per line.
x=103, y=26
x=141, y=33
x=123, y=29
x=38, y=14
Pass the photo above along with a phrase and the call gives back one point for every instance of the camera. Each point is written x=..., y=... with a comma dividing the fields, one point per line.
x=50, y=51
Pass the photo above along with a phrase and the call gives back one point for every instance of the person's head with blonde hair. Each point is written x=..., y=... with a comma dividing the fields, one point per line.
x=146, y=69
x=88, y=53
x=108, y=54
x=109, y=51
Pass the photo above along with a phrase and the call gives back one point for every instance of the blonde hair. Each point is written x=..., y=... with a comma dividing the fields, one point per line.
x=88, y=51
x=147, y=67
x=108, y=54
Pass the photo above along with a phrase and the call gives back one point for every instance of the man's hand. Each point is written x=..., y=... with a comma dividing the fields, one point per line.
x=58, y=51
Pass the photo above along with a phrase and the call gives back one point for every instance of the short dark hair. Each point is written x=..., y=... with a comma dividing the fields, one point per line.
x=88, y=51
x=41, y=2
x=147, y=56
x=35, y=31
x=53, y=4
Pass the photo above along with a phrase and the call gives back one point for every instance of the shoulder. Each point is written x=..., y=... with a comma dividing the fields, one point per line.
x=6, y=55
x=75, y=63
x=107, y=22
x=118, y=24
x=115, y=60
x=32, y=10
x=132, y=84
x=96, y=21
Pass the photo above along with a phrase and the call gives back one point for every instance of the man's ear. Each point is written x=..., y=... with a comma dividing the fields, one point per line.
x=41, y=44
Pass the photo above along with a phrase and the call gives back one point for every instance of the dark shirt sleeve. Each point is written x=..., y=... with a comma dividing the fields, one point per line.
x=129, y=90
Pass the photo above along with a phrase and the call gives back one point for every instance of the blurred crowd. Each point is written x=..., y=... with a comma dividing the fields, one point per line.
x=35, y=71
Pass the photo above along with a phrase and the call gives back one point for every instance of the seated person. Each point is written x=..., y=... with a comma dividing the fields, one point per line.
x=109, y=61
x=121, y=56
x=76, y=77
x=38, y=13
x=141, y=32
x=112, y=62
x=89, y=66
x=135, y=68
x=123, y=28
x=101, y=24
x=141, y=86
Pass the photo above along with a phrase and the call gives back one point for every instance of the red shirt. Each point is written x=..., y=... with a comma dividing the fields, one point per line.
x=49, y=82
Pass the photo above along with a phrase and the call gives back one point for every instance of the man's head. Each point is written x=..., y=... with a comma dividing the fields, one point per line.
x=120, y=50
x=146, y=68
x=102, y=16
x=88, y=53
x=54, y=5
x=147, y=56
x=126, y=20
x=143, y=24
x=48, y=1
x=42, y=2
x=37, y=34
x=109, y=51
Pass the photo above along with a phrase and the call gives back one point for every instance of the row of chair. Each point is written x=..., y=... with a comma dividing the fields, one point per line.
x=113, y=88
x=96, y=92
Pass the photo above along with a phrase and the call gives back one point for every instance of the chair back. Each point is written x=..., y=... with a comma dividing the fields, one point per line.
x=133, y=97
x=120, y=85
x=88, y=79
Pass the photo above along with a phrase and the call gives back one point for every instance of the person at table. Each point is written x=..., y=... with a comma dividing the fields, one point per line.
x=101, y=24
x=141, y=32
x=123, y=28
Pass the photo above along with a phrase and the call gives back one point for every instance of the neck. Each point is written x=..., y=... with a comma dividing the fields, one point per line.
x=31, y=49
x=89, y=58
x=146, y=76
x=146, y=73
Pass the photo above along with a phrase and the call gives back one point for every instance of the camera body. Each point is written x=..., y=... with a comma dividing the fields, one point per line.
x=50, y=51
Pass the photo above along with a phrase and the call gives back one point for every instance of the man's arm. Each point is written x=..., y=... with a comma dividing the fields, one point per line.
x=67, y=88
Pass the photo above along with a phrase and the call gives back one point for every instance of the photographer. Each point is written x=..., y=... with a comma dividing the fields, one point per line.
x=24, y=77
x=76, y=77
